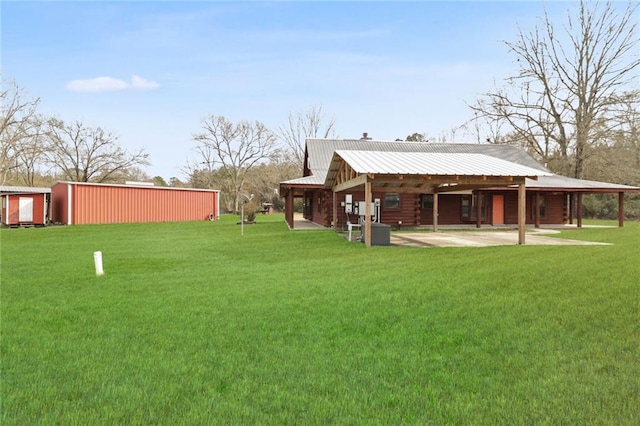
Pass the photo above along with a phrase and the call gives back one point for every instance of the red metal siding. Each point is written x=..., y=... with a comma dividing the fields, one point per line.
x=59, y=203
x=11, y=211
x=93, y=204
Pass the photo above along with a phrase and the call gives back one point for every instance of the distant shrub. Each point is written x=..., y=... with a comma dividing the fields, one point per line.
x=605, y=206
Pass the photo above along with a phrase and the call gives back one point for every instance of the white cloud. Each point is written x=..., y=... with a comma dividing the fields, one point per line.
x=99, y=84
x=140, y=83
x=110, y=84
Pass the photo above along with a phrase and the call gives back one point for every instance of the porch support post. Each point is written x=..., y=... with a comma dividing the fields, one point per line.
x=288, y=208
x=570, y=208
x=435, y=209
x=620, y=209
x=522, y=210
x=537, y=210
x=579, y=209
x=335, y=210
x=367, y=213
x=478, y=209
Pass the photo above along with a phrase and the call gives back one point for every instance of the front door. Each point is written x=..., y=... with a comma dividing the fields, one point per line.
x=498, y=209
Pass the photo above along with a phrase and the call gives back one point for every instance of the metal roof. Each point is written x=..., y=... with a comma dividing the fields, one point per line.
x=557, y=182
x=307, y=180
x=319, y=152
x=137, y=185
x=425, y=163
x=24, y=190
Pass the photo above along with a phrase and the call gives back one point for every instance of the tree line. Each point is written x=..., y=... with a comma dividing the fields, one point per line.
x=35, y=149
x=236, y=158
x=572, y=104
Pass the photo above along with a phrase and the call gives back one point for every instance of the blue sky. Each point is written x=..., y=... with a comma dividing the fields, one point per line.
x=150, y=71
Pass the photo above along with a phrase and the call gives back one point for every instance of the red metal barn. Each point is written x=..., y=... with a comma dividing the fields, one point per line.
x=78, y=203
x=25, y=206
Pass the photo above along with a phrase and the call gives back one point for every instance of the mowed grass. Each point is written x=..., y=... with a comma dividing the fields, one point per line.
x=193, y=323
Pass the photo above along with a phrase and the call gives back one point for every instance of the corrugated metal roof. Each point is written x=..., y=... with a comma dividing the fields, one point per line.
x=134, y=185
x=425, y=163
x=320, y=151
x=24, y=190
x=433, y=164
x=320, y=154
x=557, y=181
x=307, y=180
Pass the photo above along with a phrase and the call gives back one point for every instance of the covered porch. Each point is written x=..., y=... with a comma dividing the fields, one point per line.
x=424, y=173
x=297, y=188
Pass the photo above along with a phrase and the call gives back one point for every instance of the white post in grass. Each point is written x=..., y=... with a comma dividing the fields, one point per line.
x=97, y=260
x=245, y=201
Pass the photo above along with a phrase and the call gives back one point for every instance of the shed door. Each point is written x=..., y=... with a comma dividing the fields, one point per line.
x=498, y=209
x=25, y=209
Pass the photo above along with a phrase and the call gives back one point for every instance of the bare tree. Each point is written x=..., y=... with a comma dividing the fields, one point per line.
x=237, y=148
x=16, y=126
x=86, y=154
x=303, y=125
x=615, y=153
x=201, y=170
x=565, y=84
x=264, y=180
x=31, y=155
x=450, y=135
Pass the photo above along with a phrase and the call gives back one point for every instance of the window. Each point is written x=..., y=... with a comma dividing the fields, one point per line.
x=466, y=200
x=469, y=207
x=426, y=201
x=320, y=204
x=543, y=206
x=392, y=200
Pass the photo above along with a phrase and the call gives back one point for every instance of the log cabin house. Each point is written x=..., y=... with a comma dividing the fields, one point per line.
x=410, y=184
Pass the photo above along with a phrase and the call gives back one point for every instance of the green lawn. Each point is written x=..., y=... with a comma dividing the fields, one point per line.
x=194, y=324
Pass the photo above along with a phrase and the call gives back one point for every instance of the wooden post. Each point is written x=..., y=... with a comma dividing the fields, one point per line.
x=335, y=210
x=537, y=210
x=620, y=209
x=522, y=212
x=288, y=208
x=579, y=209
x=435, y=209
x=570, y=209
x=478, y=210
x=367, y=213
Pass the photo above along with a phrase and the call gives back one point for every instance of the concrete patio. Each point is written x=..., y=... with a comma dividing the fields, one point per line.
x=481, y=238
x=463, y=236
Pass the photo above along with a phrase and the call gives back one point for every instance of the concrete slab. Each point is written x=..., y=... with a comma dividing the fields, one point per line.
x=469, y=237
x=480, y=239
x=302, y=224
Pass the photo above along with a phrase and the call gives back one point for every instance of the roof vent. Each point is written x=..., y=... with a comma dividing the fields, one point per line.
x=365, y=137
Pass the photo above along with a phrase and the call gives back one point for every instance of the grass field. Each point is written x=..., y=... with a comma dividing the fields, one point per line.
x=194, y=324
